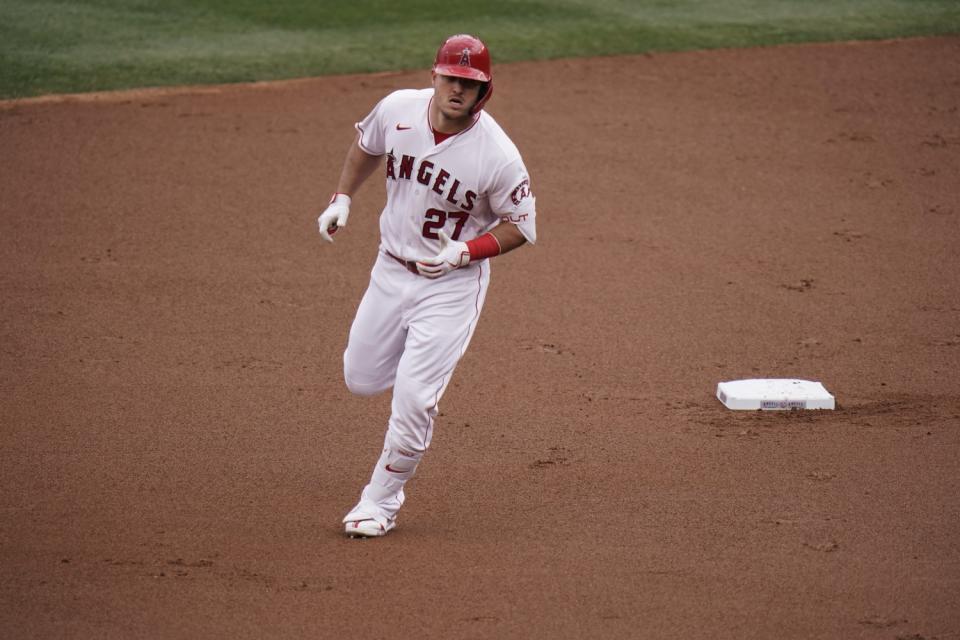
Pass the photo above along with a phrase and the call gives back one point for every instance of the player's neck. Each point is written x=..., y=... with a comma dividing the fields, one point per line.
x=443, y=124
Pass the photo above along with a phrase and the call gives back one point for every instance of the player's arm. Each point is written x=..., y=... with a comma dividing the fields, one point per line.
x=357, y=167
x=453, y=254
x=508, y=237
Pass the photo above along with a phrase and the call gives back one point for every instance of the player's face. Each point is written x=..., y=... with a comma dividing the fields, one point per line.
x=455, y=96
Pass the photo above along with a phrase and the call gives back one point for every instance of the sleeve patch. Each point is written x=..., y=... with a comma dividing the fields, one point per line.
x=521, y=192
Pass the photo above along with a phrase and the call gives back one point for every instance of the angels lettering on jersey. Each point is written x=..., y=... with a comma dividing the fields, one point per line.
x=437, y=178
x=443, y=183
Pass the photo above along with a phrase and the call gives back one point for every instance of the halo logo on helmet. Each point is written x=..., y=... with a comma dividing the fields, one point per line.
x=465, y=56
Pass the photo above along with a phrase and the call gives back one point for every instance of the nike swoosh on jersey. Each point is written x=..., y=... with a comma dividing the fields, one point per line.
x=401, y=127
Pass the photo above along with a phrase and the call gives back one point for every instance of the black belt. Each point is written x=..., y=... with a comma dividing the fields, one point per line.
x=410, y=265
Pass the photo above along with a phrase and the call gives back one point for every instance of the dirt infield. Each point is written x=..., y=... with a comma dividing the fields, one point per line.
x=178, y=447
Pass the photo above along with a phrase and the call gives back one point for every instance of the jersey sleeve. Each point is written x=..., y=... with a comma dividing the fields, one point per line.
x=513, y=201
x=372, y=131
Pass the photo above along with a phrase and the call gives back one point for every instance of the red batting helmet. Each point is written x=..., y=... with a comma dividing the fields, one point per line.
x=465, y=56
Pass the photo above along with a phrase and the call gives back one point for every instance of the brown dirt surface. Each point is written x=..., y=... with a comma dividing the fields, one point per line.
x=178, y=447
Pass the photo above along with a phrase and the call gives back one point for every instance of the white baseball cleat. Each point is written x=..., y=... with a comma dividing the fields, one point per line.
x=367, y=521
x=368, y=528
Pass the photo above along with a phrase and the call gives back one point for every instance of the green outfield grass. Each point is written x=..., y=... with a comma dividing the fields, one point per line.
x=87, y=45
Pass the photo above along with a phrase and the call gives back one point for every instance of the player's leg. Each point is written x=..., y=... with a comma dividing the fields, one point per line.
x=370, y=361
x=378, y=332
x=439, y=329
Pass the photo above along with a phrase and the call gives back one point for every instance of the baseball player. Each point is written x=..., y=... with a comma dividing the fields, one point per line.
x=458, y=194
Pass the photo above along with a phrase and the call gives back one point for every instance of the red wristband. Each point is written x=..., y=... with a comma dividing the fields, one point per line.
x=486, y=246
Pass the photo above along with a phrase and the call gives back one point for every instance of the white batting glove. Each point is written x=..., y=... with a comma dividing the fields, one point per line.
x=453, y=255
x=335, y=217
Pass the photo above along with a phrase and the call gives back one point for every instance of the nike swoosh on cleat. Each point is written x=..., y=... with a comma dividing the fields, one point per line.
x=392, y=470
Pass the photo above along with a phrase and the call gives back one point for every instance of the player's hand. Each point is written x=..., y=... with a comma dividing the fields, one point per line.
x=335, y=217
x=453, y=255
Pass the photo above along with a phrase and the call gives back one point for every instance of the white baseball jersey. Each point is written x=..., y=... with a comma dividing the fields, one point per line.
x=464, y=185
